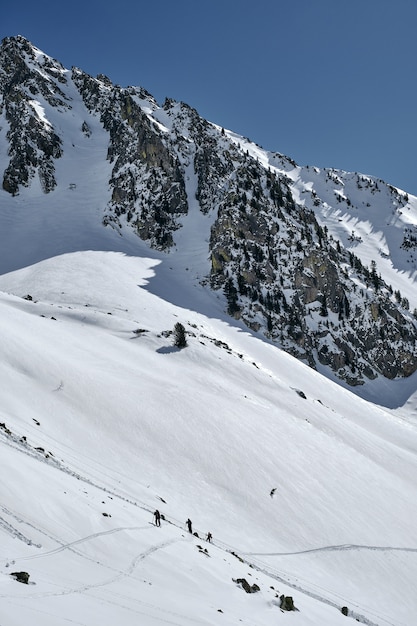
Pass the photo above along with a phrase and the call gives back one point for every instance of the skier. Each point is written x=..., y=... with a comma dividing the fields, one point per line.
x=190, y=526
x=157, y=516
x=273, y=492
x=209, y=537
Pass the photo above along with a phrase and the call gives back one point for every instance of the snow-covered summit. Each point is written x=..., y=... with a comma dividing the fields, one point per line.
x=319, y=262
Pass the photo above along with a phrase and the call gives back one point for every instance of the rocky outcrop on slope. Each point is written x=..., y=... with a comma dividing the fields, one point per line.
x=147, y=182
x=33, y=144
x=283, y=275
x=272, y=257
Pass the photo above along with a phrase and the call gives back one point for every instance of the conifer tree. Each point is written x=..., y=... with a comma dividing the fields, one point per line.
x=180, y=340
x=230, y=292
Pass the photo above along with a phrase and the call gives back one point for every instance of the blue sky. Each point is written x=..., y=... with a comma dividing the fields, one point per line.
x=328, y=83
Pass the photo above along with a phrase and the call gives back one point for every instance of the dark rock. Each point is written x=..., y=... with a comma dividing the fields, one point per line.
x=246, y=586
x=21, y=577
x=287, y=603
x=6, y=430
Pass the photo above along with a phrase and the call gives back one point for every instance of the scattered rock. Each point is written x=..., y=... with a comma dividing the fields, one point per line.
x=301, y=394
x=237, y=556
x=6, y=430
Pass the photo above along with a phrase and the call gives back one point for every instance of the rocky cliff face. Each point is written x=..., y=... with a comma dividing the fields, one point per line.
x=271, y=254
x=284, y=275
x=33, y=145
x=137, y=153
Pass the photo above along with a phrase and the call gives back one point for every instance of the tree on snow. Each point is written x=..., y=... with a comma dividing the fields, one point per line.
x=180, y=340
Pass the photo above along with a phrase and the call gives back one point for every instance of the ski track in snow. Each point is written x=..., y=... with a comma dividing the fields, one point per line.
x=280, y=576
x=317, y=595
x=70, y=545
x=341, y=547
x=306, y=587
x=16, y=443
x=119, y=574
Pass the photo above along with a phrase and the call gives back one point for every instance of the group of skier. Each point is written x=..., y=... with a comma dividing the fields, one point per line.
x=189, y=523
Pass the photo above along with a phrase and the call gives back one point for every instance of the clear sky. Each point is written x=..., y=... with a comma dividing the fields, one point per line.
x=329, y=83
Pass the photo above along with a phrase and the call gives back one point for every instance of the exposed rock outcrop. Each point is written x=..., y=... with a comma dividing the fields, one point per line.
x=279, y=269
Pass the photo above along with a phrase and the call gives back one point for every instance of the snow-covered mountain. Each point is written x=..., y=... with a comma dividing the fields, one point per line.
x=121, y=218
x=322, y=263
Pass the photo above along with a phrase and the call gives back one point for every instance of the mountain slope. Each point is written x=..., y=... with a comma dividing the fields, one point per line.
x=114, y=420
x=315, y=261
x=120, y=218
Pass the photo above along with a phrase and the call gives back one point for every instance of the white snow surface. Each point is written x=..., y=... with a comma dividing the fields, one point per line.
x=104, y=424
x=103, y=420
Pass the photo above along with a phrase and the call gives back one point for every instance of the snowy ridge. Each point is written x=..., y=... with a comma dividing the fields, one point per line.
x=319, y=263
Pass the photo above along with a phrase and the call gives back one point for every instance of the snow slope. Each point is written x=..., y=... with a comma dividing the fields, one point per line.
x=118, y=422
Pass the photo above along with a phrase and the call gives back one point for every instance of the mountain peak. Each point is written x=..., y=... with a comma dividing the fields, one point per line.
x=279, y=243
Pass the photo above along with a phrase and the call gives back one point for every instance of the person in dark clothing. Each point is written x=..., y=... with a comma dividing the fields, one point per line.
x=157, y=516
x=189, y=525
x=209, y=537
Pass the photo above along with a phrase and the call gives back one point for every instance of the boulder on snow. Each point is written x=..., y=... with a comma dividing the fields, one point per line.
x=287, y=603
x=246, y=586
x=21, y=577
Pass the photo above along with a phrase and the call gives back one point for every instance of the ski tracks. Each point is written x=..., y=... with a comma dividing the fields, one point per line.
x=119, y=574
x=322, y=594
x=337, y=548
x=305, y=588
x=146, y=609
x=14, y=532
x=72, y=544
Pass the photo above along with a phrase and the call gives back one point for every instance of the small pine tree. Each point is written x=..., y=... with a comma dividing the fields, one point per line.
x=323, y=309
x=230, y=292
x=180, y=340
x=405, y=303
